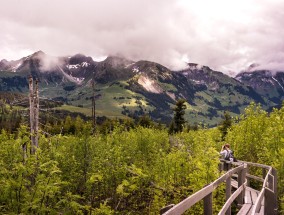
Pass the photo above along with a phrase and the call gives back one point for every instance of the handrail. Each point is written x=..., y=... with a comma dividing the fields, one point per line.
x=232, y=198
x=257, y=204
x=268, y=191
x=201, y=194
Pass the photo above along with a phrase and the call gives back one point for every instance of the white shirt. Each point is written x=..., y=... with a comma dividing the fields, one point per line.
x=225, y=152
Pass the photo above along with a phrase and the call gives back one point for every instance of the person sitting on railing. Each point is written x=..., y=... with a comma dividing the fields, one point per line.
x=227, y=153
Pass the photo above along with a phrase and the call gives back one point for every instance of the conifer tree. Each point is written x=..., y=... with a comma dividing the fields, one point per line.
x=225, y=124
x=178, y=122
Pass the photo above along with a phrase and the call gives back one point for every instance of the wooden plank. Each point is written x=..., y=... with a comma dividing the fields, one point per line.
x=251, y=200
x=257, y=204
x=256, y=164
x=248, y=197
x=245, y=209
x=253, y=196
x=234, y=183
x=255, y=177
x=250, y=210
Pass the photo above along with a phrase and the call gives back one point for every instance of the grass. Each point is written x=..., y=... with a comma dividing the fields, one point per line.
x=86, y=111
x=110, y=101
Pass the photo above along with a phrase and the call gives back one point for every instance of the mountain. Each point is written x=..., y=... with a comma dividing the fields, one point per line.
x=268, y=84
x=128, y=88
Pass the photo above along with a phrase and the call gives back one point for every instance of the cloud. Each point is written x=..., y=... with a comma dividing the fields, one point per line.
x=49, y=63
x=225, y=35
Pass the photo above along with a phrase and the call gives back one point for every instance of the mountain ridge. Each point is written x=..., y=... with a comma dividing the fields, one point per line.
x=128, y=88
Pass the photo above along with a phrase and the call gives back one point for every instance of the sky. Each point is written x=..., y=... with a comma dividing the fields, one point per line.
x=226, y=35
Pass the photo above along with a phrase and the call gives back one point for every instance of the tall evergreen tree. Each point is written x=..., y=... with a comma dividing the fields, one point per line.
x=225, y=124
x=178, y=122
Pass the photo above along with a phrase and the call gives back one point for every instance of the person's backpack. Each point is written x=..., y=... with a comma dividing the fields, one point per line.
x=229, y=155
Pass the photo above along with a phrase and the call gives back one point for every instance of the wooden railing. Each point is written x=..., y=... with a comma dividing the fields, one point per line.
x=268, y=193
x=241, y=170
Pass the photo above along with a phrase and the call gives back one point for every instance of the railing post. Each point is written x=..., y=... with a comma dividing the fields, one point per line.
x=270, y=195
x=248, y=179
x=207, y=201
x=270, y=181
x=270, y=205
x=263, y=173
x=241, y=181
x=228, y=193
x=274, y=173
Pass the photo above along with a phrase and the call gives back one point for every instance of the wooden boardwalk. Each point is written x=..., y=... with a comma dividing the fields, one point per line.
x=250, y=201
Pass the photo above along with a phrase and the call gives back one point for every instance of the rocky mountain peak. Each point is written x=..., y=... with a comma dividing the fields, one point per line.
x=194, y=66
x=3, y=64
x=80, y=58
x=117, y=61
x=38, y=55
x=4, y=61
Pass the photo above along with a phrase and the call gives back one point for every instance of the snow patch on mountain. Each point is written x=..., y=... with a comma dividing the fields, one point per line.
x=278, y=83
x=73, y=66
x=85, y=64
x=14, y=69
x=70, y=77
x=76, y=66
x=135, y=70
x=127, y=66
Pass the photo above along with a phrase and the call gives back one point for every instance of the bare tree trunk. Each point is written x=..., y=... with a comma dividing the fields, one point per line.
x=36, y=114
x=94, y=106
x=31, y=99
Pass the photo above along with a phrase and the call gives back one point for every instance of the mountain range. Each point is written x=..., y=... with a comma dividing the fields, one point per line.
x=126, y=88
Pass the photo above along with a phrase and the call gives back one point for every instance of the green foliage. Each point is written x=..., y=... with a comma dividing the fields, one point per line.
x=127, y=170
x=259, y=137
x=145, y=121
x=30, y=184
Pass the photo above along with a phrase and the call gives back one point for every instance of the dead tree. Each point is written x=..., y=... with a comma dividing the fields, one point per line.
x=94, y=105
x=34, y=113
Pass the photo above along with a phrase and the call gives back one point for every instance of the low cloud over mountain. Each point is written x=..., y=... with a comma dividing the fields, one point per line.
x=227, y=36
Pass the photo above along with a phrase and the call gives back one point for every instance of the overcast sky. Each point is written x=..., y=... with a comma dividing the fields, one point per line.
x=226, y=35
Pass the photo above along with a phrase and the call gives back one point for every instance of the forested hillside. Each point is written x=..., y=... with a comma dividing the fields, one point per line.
x=128, y=169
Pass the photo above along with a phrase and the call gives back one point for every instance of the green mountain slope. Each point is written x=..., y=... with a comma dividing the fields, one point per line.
x=124, y=88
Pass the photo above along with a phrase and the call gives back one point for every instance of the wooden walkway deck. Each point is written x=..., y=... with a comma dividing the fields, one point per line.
x=237, y=179
x=249, y=200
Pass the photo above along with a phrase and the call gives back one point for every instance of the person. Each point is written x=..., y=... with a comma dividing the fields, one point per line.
x=227, y=153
